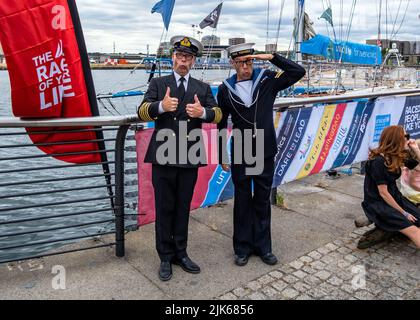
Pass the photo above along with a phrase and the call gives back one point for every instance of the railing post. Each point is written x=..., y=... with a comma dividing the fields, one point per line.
x=119, y=191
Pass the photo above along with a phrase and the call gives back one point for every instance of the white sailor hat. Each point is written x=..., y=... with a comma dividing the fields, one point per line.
x=239, y=50
x=187, y=44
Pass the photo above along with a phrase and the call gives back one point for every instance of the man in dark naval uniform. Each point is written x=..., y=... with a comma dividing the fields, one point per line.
x=248, y=97
x=178, y=104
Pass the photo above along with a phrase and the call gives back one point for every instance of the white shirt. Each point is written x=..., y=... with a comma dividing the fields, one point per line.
x=178, y=83
x=244, y=89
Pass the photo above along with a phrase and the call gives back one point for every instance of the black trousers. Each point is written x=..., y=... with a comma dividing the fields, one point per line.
x=252, y=210
x=174, y=188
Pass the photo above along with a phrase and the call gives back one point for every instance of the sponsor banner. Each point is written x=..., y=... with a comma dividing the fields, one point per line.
x=410, y=117
x=289, y=140
x=310, y=140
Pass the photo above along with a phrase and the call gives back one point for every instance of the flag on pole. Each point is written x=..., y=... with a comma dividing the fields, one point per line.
x=213, y=18
x=327, y=15
x=165, y=8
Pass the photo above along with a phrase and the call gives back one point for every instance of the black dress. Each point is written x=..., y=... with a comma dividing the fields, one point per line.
x=377, y=210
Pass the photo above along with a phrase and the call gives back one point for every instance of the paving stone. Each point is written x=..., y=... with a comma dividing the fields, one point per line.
x=348, y=288
x=318, y=265
x=374, y=289
x=300, y=274
x=385, y=296
x=363, y=295
x=331, y=246
x=306, y=259
x=276, y=274
x=265, y=280
x=345, y=274
x=351, y=258
x=254, y=285
x=405, y=286
x=286, y=269
x=316, y=293
x=323, y=275
x=332, y=268
x=257, y=296
x=229, y=296
x=312, y=280
x=327, y=273
x=323, y=250
x=340, y=295
x=315, y=255
x=241, y=292
x=328, y=260
x=335, y=281
x=290, y=279
x=309, y=270
x=338, y=242
x=344, y=250
x=396, y=292
x=279, y=285
x=296, y=264
x=327, y=288
x=270, y=292
x=290, y=293
x=301, y=286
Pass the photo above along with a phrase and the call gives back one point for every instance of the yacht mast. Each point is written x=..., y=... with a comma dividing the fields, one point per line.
x=299, y=28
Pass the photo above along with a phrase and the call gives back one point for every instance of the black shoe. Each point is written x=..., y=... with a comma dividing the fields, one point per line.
x=374, y=237
x=165, y=271
x=241, y=260
x=188, y=265
x=269, y=259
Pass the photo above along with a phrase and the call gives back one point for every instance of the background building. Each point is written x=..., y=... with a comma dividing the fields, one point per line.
x=164, y=49
x=410, y=50
x=271, y=47
x=210, y=40
x=235, y=41
x=215, y=51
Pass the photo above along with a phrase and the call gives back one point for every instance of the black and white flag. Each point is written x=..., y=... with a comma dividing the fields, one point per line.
x=213, y=18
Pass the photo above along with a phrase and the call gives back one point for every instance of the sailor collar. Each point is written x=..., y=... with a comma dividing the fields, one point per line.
x=256, y=78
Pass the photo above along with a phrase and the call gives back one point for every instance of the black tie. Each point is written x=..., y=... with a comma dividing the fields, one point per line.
x=181, y=89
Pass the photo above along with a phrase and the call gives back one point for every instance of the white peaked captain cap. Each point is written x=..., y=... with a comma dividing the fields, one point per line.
x=239, y=50
x=187, y=44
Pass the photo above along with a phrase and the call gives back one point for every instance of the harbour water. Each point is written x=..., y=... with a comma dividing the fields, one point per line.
x=106, y=81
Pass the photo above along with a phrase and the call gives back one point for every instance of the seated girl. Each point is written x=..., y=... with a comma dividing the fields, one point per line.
x=383, y=203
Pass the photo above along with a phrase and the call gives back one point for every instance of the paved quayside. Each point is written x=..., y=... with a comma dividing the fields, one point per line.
x=314, y=238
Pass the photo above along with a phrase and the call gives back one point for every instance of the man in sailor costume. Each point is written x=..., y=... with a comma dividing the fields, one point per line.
x=248, y=97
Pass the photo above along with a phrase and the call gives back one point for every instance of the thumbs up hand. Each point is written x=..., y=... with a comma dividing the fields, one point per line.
x=169, y=104
x=195, y=110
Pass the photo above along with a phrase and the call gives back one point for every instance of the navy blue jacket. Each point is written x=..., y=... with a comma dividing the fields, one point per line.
x=266, y=85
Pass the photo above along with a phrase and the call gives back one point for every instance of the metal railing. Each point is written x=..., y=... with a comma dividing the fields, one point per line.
x=34, y=187
x=46, y=204
x=283, y=103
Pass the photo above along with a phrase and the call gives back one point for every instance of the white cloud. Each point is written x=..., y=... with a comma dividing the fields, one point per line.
x=132, y=27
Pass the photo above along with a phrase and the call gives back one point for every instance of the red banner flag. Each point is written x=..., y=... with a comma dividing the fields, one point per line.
x=42, y=42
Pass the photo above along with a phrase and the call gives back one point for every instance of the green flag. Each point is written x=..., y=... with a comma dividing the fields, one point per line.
x=327, y=15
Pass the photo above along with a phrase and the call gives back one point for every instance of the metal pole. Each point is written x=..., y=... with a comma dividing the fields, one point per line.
x=299, y=28
x=119, y=191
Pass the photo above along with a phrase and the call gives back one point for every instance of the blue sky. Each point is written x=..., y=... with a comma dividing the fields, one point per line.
x=132, y=27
